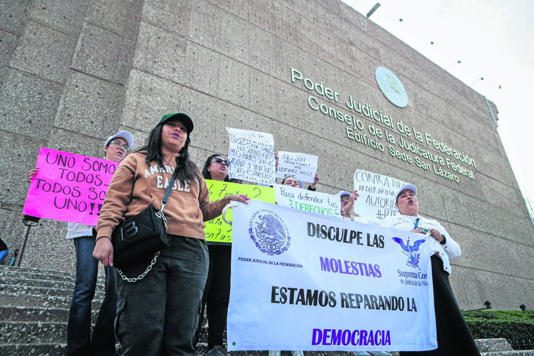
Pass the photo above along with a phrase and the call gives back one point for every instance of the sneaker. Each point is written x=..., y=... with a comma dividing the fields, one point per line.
x=297, y=353
x=217, y=350
x=275, y=353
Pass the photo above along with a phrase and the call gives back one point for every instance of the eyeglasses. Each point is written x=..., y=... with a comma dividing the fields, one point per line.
x=221, y=161
x=118, y=144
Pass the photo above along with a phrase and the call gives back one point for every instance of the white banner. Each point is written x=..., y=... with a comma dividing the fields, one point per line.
x=312, y=283
x=302, y=166
x=377, y=194
x=307, y=200
x=251, y=156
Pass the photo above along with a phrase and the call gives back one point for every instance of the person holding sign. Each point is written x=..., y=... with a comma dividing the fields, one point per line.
x=79, y=340
x=453, y=335
x=348, y=199
x=293, y=182
x=159, y=312
x=217, y=292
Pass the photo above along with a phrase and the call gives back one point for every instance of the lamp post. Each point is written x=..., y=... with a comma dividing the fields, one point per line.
x=476, y=81
x=430, y=44
x=373, y=9
x=453, y=64
x=29, y=221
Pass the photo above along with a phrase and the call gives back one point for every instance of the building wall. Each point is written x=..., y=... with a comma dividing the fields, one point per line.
x=73, y=73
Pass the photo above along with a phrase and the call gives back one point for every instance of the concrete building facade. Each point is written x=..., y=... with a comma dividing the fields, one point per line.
x=73, y=72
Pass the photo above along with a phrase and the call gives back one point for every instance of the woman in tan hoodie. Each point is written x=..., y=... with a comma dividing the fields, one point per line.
x=159, y=313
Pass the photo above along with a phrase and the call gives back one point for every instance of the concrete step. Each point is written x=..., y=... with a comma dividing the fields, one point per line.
x=32, y=332
x=46, y=283
x=40, y=314
x=200, y=352
x=14, y=272
x=4, y=268
x=43, y=301
x=43, y=291
x=266, y=353
x=34, y=314
x=29, y=273
x=49, y=349
x=49, y=274
x=509, y=353
x=491, y=345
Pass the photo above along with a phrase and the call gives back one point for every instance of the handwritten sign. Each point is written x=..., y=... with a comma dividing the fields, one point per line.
x=68, y=187
x=217, y=230
x=307, y=200
x=251, y=156
x=377, y=194
x=299, y=165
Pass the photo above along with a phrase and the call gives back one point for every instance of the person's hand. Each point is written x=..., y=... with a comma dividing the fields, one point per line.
x=237, y=197
x=31, y=173
x=420, y=230
x=347, y=210
x=104, y=251
x=436, y=235
x=315, y=181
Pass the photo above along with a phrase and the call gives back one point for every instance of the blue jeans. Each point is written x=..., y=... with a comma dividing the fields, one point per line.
x=79, y=341
x=159, y=314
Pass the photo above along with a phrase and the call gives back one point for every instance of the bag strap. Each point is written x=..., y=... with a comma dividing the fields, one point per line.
x=160, y=213
x=167, y=192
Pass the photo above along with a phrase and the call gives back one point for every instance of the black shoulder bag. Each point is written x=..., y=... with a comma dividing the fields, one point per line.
x=139, y=239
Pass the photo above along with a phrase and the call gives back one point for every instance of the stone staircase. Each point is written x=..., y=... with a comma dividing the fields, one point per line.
x=499, y=347
x=34, y=305
x=34, y=308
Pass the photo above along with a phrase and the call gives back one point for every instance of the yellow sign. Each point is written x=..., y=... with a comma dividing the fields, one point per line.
x=216, y=229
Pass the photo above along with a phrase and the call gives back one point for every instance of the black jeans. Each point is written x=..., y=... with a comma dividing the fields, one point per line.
x=453, y=334
x=79, y=341
x=217, y=292
x=159, y=314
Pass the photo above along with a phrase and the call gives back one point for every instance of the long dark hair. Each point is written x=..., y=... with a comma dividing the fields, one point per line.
x=205, y=173
x=186, y=170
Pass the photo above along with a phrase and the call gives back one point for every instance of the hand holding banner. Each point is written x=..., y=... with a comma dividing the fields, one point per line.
x=68, y=187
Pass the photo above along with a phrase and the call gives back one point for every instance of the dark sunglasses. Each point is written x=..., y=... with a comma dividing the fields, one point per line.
x=220, y=161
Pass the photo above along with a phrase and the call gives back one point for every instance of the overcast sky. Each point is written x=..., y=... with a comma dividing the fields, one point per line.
x=493, y=39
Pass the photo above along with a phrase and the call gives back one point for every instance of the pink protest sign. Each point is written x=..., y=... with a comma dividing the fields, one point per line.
x=68, y=187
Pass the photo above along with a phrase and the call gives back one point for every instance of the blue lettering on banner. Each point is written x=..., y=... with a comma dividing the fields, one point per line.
x=336, y=337
x=336, y=265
